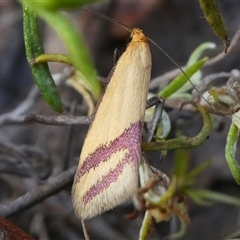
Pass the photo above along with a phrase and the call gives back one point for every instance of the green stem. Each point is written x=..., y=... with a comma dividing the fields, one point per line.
x=183, y=142
x=230, y=151
x=51, y=57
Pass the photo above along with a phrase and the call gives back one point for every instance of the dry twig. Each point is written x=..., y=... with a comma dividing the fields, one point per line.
x=34, y=196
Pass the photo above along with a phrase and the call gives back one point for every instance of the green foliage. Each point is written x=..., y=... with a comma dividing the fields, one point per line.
x=41, y=73
x=59, y=4
x=230, y=150
x=186, y=181
x=215, y=20
x=181, y=79
x=183, y=180
x=78, y=55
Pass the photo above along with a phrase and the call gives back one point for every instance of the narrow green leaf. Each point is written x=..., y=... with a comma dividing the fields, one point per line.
x=60, y=4
x=199, y=169
x=216, y=197
x=230, y=150
x=197, y=53
x=215, y=20
x=197, y=197
x=181, y=79
x=78, y=53
x=197, y=76
x=41, y=73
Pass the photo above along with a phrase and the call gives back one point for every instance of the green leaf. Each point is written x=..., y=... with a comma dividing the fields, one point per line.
x=54, y=5
x=230, y=150
x=197, y=197
x=215, y=20
x=199, y=169
x=196, y=54
x=40, y=72
x=216, y=197
x=78, y=53
x=181, y=79
x=197, y=76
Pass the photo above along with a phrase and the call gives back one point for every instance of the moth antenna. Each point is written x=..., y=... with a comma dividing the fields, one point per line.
x=176, y=64
x=107, y=18
x=155, y=44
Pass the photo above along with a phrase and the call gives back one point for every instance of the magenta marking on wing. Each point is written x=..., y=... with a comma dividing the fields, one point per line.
x=106, y=180
x=130, y=139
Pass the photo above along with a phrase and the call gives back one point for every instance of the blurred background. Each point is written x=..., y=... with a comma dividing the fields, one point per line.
x=178, y=27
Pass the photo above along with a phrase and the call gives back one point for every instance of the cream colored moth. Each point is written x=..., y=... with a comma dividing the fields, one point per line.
x=107, y=174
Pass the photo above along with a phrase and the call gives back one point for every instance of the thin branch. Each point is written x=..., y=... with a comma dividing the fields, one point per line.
x=202, y=86
x=22, y=108
x=222, y=55
x=34, y=196
x=14, y=169
x=59, y=120
x=15, y=116
x=20, y=153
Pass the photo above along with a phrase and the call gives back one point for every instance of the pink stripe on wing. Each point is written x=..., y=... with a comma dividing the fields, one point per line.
x=130, y=139
x=109, y=178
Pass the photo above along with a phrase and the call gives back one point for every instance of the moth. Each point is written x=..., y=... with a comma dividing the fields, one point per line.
x=107, y=174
